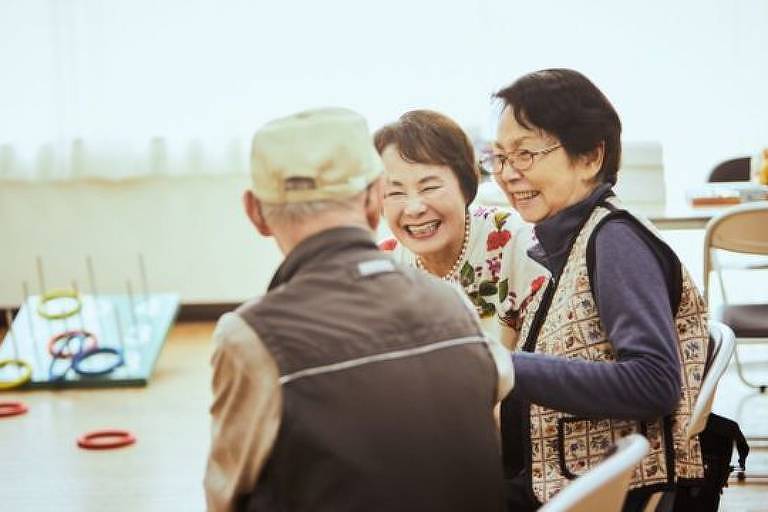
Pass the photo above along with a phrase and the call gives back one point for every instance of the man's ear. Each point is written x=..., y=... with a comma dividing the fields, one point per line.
x=252, y=207
x=373, y=206
x=592, y=162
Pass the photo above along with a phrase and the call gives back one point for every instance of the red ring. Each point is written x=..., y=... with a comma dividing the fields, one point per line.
x=12, y=408
x=119, y=438
x=66, y=353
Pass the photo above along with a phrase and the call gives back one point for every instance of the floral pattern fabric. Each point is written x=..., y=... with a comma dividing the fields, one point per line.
x=497, y=274
x=564, y=446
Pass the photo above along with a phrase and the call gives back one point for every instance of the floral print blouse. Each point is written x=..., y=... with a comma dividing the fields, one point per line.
x=497, y=274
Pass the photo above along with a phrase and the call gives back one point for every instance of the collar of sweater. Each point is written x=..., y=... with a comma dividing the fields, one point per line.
x=555, y=235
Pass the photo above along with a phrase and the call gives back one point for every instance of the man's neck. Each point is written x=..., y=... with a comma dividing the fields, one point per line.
x=288, y=237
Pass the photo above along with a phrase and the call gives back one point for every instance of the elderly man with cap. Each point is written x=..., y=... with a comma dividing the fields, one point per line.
x=354, y=383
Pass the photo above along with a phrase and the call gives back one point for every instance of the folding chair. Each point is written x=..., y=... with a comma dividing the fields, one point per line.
x=603, y=487
x=721, y=348
x=741, y=229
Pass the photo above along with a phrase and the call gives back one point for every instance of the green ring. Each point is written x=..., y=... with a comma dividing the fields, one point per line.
x=26, y=376
x=59, y=293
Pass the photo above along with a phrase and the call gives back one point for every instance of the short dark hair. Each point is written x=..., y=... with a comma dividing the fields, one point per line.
x=428, y=137
x=566, y=104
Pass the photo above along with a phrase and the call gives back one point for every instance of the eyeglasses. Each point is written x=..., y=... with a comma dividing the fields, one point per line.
x=519, y=160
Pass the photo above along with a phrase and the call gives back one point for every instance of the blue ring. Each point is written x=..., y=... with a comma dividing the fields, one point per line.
x=82, y=356
x=60, y=377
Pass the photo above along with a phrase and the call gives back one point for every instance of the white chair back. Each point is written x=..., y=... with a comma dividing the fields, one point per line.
x=604, y=487
x=723, y=345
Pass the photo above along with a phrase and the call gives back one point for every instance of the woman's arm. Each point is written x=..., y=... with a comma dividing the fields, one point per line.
x=631, y=294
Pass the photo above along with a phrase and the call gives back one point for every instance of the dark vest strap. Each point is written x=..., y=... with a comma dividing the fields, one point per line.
x=657, y=245
x=546, y=300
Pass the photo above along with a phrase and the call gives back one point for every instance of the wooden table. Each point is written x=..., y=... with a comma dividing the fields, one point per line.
x=42, y=467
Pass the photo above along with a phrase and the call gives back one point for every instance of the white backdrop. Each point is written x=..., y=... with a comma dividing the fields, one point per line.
x=122, y=88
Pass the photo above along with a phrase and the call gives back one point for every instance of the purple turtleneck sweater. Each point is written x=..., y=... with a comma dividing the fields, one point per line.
x=630, y=288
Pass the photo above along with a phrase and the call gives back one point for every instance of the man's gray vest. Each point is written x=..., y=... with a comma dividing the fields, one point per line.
x=387, y=385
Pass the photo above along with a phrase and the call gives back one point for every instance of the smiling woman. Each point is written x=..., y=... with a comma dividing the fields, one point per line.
x=430, y=180
x=618, y=340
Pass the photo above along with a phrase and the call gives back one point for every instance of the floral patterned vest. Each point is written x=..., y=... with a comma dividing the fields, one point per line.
x=564, y=446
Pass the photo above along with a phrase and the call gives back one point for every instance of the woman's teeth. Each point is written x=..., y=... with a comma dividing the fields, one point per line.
x=528, y=194
x=423, y=229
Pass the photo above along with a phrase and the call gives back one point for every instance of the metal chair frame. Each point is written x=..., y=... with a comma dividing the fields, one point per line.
x=723, y=232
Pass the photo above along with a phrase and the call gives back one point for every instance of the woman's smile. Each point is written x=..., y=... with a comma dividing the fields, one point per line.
x=425, y=208
x=524, y=199
x=423, y=229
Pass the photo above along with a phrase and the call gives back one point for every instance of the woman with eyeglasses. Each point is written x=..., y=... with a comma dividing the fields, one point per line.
x=431, y=177
x=618, y=340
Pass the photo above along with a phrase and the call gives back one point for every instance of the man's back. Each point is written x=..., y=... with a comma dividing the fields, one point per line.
x=353, y=384
x=387, y=386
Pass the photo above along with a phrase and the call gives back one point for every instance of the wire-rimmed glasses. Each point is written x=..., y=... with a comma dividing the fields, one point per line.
x=521, y=160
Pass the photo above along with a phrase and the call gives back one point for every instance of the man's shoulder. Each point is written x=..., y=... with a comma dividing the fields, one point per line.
x=235, y=340
x=232, y=330
x=244, y=310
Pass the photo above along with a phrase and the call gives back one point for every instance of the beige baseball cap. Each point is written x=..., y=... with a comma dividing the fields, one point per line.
x=314, y=155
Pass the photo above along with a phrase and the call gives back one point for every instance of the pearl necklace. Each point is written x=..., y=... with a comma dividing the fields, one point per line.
x=448, y=276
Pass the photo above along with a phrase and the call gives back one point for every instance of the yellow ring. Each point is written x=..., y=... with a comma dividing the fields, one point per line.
x=59, y=293
x=26, y=376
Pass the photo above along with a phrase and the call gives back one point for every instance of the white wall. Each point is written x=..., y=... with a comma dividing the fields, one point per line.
x=202, y=75
x=192, y=232
x=194, y=237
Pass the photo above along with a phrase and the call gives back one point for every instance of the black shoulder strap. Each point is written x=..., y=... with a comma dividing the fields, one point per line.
x=539, y=316
x=674, y=282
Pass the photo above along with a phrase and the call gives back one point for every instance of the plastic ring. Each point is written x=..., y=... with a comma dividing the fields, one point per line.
x=64, y=352
x=61, y=293
x=52, y=377
x=82, y=356
x=20, y=381
x=105, y=439
x=12, y=408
